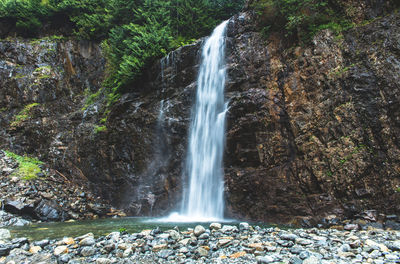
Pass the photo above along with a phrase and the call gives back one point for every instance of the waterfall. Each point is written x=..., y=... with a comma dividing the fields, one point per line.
x=203, y=198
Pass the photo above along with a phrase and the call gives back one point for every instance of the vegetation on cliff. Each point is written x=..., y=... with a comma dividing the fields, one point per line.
x=302, y=19
x=134, y=32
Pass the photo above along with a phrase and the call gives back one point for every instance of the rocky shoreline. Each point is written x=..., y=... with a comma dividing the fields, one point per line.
x=47, y=197
x=215, y=243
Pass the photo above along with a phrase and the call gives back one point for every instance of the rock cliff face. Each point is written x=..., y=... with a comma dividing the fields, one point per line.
x=314, y=130
x=311, y=130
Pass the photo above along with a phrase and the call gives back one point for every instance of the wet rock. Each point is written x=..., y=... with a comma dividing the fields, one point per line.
x=48, y=211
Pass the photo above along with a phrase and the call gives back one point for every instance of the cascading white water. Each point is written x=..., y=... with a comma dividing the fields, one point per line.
x=203, y=199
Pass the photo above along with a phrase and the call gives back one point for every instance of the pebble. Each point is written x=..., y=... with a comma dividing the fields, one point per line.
x=227, y=244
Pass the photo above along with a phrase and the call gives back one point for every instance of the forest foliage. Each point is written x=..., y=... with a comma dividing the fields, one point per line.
x=133, y=32
x=136, y=32
x=300, y=20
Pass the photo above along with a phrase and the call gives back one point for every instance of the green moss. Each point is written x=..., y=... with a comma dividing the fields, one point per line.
x=44, y=76
x=23, y=115
x=43, y=72
x=19, y=76
x=99, y=129
x=28, y=167
x=329, y=173
x=91, y=98
x=397, y=190
x=35, y=41
x=43, y=68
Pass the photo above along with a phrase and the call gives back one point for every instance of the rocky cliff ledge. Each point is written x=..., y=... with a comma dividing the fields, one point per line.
x=312, y=131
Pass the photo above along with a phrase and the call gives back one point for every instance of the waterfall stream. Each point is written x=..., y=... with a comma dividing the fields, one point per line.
x=203, y=198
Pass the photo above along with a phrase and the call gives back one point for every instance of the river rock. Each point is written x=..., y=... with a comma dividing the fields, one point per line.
x=103, y=261
x=395, y=245
x=224, y=242
x=312, y=260
x=202, y=251
x=41, y=243
x=4, y=250
x=60, y=250
x=4, y=234
x=226, y=229
x=35, y=249
x=165, y=253
x=87, y=241
x=87, y=251
x=198, y=230
x=291, y=237
x=244, y=226
x=265, y=259
x=215, y=226
x=68, y=240
x=160, y=247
